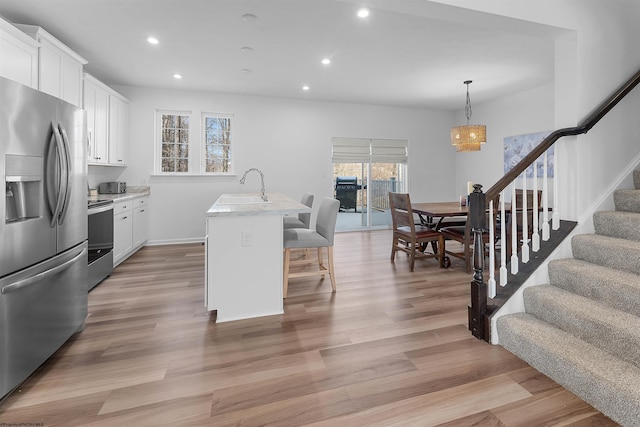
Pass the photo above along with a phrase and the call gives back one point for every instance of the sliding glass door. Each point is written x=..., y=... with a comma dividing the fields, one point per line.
x=364, y=172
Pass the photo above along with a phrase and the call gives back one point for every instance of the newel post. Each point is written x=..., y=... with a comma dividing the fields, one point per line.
x=478, y=224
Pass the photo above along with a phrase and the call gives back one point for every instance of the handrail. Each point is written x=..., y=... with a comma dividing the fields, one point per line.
x=478, y=201
x=546, y=143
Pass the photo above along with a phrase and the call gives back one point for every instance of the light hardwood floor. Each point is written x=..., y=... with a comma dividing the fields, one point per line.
x=390, y=348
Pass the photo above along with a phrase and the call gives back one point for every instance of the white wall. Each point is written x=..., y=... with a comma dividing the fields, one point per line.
x=288, y=140
x=521, y=113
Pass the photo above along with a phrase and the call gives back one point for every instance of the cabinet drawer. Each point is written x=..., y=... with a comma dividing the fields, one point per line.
x=142, y=201
x=122, y=207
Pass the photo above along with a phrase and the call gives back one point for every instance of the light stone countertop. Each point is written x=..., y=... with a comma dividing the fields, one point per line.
x=279, y=205
x=132, y=193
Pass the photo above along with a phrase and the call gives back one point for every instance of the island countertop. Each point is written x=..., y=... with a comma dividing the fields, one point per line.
x=279, y=204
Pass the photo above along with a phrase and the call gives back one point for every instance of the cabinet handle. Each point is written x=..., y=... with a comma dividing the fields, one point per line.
x=125, y=217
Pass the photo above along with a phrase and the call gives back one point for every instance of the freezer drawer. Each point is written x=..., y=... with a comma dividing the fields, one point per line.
x=40, y=308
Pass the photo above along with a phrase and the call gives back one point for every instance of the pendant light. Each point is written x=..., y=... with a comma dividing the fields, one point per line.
x=468, y=137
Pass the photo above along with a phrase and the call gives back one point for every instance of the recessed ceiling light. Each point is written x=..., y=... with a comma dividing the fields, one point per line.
x=246, y=49
x=152, y=40
x=305, y=88
x=177, y=76
x=249, y=17
x=363, y=12
x=326, y=61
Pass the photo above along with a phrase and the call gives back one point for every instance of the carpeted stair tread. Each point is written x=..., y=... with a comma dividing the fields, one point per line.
x=627, y=200
x=612, y=330
x=607, y=251
x=624, y=225
x=596, y=376
x=616, y=288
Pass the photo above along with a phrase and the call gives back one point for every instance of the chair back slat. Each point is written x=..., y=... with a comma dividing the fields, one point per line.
x=401, y=213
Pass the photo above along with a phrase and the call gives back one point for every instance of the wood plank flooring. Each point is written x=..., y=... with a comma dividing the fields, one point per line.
x=390, y=348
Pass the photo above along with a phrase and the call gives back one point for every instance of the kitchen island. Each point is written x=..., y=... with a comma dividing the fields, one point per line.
x=243, y=254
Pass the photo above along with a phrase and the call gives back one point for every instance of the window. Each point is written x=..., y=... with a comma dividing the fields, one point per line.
x=217, y=148
x=190, y=144
x=174, y=140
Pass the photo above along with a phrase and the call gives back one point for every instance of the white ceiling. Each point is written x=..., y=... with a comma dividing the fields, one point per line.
x=407, y=53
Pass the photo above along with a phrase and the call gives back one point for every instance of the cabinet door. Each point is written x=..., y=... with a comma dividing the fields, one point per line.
x=122, y=235
x=118, y=130
x=71, y=81
x=19, y=60
x=96, y=102
x=50, y=62
x=140, y=220
x=60, y=73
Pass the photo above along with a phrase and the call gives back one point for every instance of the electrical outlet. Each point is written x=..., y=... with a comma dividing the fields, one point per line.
x=247, y=238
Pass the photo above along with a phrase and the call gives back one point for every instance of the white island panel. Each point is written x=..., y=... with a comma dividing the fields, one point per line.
x=244, y=256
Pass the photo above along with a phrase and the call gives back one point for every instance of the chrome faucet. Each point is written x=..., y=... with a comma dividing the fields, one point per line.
x=262, y=194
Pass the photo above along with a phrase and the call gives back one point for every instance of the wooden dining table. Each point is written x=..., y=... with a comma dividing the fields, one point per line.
x=441, y=210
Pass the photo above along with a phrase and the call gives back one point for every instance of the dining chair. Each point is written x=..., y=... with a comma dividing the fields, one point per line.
x=303, y=220
x=463, y=235
x=410, y=238
x=321, y=237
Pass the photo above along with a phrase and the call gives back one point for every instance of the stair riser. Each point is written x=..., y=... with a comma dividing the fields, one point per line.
x=627, y=200
x=624, y=256
x=622, y=225
x=611, y=330
x=618, y=289
x=593, y=375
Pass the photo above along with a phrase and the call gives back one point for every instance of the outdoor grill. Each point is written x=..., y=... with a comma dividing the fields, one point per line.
x=347, y=191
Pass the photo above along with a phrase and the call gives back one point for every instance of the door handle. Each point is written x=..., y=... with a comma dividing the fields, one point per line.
x=21, y=284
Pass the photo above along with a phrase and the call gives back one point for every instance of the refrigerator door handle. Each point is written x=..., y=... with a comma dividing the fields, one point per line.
x=60, y=153
x=21, y=284
x=67, y=181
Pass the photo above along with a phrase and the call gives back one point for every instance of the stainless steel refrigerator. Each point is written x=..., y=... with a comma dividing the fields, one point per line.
x=43, y=237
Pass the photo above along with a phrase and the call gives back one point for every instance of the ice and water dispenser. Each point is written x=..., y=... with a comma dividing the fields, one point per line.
x=23, y=187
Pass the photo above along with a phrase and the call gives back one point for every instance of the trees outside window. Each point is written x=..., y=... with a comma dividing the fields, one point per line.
x=217, y=143
x=174, y=139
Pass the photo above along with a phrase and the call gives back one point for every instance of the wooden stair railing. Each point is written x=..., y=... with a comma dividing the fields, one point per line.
x=479, y=310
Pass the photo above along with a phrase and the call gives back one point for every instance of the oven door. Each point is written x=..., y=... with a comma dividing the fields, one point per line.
x=100, y=244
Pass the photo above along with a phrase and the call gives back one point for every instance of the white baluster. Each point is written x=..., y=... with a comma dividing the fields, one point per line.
x=525, y=221
x=491, y=284
x=556, y=213
x=545, y=201
x=514, y=231
x=535, y=237
x=503, y=242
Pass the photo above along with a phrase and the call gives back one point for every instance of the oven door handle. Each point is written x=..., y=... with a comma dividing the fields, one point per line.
x=100, y=209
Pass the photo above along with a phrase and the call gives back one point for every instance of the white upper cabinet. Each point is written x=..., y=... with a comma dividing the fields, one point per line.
x=118, y=129
x=107, y=123
x=18, y=55
x=96, y=103
x=60, y=68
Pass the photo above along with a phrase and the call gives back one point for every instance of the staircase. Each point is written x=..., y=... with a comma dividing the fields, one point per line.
x=583, y=329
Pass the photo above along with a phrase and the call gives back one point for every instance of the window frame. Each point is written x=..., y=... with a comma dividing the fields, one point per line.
x=159, y=142
x=203, y=143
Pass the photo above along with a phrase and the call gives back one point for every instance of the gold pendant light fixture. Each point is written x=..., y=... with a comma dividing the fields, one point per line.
x=468, y=137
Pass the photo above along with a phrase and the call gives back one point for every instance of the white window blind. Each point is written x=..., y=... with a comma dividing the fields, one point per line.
x=363, y=150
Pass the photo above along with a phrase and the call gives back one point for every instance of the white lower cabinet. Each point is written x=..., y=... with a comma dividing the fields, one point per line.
x=122, y=230
x=140, y=221
x=130, y=218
